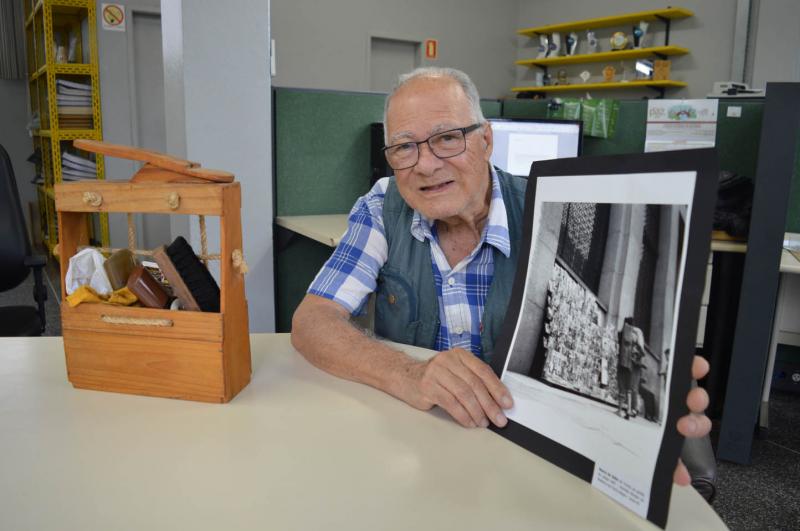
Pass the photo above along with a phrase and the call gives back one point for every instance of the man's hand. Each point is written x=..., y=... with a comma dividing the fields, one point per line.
x=462, y=385
x=695, y=424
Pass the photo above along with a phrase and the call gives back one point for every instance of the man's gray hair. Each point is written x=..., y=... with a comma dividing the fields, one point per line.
x=432, y=72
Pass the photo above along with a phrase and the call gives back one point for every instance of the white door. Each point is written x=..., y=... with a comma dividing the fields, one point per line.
x=148, y=108
x=388, y=59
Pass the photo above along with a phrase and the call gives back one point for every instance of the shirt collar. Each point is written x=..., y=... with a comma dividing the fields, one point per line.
x=495, y=233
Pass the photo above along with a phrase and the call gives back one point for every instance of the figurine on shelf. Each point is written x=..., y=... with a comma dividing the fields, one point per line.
x=561, y=77
x=555, y=45
x=591, y=42
x=544, y=46
x=619, y=41
x=661, y=70
x=572, y=43
x=608, y=74
x=639, y=34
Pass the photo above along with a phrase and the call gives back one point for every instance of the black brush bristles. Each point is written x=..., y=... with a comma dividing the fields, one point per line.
x=196, y=276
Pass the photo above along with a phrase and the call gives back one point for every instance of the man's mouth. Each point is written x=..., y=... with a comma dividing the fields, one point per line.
x=436, y=187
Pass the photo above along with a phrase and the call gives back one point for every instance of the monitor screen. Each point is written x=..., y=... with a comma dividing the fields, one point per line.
x=519, y=143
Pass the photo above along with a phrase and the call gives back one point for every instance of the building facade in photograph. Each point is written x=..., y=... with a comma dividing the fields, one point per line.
x=593, y=267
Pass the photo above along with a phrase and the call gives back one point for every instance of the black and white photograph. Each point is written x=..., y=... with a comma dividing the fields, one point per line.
x=589, y=360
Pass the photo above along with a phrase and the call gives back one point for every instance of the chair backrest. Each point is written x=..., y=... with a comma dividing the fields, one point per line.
x=14, y=244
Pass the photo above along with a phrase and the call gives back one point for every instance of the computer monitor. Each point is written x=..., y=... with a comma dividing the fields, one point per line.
x=519, y=143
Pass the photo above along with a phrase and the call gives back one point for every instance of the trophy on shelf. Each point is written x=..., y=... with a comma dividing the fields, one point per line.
x=608, y=74
x=639, y=34
x=572, y=43
x=555, y=45
x=619, y=41
x=561, y=77
x=585, y=75
x=591, y=41
x=544, y=46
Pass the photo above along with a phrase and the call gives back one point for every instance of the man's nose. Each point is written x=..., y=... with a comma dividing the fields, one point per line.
x=427, y=161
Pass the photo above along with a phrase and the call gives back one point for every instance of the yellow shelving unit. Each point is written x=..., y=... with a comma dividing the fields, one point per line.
x=47, y=21
x=664, y=15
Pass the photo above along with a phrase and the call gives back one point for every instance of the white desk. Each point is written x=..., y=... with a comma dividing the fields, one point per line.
x=297, y=449
x=327, y=229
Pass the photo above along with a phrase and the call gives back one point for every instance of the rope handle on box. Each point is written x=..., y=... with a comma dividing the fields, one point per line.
x=136, y=321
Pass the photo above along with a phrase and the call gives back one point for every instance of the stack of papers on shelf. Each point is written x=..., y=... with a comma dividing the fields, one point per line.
x=75, y=167
x=74, y=104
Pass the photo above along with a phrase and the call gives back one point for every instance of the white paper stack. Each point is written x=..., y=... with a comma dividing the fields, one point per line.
x=74, y=104
x=75, y=167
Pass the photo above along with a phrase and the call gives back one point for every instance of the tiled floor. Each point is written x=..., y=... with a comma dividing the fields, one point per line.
x=762, y=495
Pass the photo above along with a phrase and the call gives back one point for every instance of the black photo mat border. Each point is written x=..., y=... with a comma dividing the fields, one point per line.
x=702, y=161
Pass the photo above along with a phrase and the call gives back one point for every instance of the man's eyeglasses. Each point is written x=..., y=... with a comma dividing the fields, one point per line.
x=444, y=145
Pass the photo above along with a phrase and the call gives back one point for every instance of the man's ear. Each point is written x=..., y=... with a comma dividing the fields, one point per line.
x=488, y=138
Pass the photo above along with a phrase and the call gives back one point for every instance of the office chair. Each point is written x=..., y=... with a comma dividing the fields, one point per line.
x=16, y=260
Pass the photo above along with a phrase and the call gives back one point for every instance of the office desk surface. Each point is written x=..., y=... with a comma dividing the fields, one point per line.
x=327, y=228
x=297, y=449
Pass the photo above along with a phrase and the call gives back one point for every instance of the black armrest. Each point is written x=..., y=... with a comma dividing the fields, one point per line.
x=37, y=262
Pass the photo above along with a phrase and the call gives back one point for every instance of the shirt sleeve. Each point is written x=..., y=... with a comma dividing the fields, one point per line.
x=350, y=274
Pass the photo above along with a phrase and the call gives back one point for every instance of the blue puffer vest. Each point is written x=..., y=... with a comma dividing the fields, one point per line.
x=406, y=304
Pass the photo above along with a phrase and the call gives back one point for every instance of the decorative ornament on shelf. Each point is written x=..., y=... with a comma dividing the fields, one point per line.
x=540, y=79
x=544, y=46
x=639, y=35
x=591, y=42
x=661, y=70
x=619, y=41
x=572, y=43
x=561, y=76
x=555, y=45
x=585, y=75
x=608, y=74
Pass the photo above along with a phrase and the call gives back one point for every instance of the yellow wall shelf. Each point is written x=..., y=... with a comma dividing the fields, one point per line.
x=663, y=15
x=669, y=13
x=599, y=57
x=604, y=86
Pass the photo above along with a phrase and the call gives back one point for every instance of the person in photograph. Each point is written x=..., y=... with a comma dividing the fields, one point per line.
x=627, y=348
x=438, y=243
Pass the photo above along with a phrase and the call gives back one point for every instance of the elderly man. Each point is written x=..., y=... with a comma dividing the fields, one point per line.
x=438, y=244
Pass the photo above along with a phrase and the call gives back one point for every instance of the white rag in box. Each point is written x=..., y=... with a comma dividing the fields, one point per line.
x=86, y=269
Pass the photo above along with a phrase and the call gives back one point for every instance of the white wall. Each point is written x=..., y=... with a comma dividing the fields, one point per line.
x=326, y=44
x=217, y=104
x=14, y=137
x=777, y=42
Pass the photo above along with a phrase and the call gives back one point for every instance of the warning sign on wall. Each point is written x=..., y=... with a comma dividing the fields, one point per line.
x=431, y=48
x=113, y=16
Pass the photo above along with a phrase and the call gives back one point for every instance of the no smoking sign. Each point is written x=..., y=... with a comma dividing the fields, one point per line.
x=113, y=16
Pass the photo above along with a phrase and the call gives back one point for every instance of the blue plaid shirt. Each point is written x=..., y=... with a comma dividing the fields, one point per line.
x=350, y=274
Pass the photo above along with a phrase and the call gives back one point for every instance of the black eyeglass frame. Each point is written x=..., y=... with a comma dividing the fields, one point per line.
x=464, y=131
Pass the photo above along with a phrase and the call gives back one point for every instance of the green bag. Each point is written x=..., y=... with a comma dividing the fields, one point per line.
x=600, y=117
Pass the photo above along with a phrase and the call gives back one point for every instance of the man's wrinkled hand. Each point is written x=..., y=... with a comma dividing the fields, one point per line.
x=462, y=385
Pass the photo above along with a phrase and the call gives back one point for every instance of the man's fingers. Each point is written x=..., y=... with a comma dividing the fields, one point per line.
x=694, y=425
x=490, y=380
x=697, y=400
x=488, y=404
x=681, y=475
x=447, y=401
x=699, y=367
x=463, y=392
